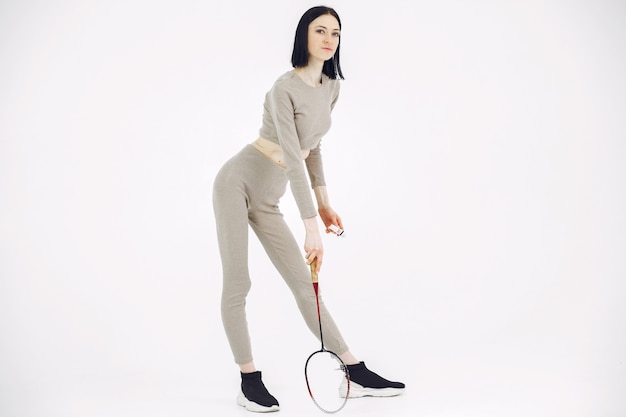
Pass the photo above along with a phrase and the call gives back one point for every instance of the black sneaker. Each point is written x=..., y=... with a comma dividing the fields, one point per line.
x=365, y=383
x=254, y=396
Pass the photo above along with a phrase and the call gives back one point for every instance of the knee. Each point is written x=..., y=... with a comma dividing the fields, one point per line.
x=234, y=295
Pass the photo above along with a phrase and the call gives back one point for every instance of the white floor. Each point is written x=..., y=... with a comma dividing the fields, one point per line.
x=145, y=395
x=456, y=382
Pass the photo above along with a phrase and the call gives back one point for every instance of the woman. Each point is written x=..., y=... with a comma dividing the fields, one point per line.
x=247, y=190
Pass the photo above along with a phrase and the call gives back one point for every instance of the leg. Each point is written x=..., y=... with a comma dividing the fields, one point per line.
x=282, y=248
x=230, y=202
x=231, y=220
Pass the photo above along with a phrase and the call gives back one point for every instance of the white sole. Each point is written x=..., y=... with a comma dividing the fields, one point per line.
x=358, y=391
x=254, y=407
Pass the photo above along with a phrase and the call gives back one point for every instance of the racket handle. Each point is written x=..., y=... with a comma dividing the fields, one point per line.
x=314, y=277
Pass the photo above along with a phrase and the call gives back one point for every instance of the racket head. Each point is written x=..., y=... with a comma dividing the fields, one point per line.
x=328, y=380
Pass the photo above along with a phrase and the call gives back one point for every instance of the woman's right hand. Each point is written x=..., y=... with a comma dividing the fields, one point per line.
x=313, y=246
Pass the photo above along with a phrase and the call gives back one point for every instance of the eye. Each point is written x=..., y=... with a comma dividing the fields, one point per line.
x=336, y=34
x=320, y=31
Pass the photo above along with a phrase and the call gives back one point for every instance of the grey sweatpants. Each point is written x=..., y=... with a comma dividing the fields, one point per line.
x=246, y=191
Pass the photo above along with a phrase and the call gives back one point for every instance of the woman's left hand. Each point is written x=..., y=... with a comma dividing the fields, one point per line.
x=329, y=216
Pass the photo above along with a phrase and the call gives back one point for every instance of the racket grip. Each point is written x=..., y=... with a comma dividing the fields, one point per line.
x=314, y=277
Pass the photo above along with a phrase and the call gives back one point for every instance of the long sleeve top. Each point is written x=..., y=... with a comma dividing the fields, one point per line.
x=297, y=116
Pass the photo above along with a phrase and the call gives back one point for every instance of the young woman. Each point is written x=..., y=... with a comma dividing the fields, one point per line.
x=246, y=192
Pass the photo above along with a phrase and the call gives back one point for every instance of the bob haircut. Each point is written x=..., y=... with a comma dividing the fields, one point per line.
x=300, y=54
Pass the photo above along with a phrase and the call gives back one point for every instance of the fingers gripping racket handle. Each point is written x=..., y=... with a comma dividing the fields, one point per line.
x=314, y=277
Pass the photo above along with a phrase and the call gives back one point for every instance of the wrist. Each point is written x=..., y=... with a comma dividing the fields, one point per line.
x=310, y=224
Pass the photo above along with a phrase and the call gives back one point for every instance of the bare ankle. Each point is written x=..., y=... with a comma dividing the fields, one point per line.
x=348, y=358
x=247, y=368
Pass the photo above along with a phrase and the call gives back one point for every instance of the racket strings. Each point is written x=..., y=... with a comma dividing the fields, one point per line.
x=326, y=381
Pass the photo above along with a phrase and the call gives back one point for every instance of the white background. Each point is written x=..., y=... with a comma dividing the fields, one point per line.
x=476, y=156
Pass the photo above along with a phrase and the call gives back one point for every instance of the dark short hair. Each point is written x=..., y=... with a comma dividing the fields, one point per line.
x=300, y=54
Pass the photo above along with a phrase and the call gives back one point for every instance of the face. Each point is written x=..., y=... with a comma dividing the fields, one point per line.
x=323, y=38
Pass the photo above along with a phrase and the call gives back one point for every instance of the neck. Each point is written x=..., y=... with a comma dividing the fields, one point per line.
x=311, y=73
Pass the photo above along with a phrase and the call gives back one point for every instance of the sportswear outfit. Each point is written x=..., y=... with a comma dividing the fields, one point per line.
x=246, y=192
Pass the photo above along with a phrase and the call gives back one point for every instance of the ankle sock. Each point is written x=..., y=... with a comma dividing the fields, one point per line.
x=368, y=379
x=254, y=390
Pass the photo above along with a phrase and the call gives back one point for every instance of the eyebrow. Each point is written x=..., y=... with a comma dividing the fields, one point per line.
x=324, y=27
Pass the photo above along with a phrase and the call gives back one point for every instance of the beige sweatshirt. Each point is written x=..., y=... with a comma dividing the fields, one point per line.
x=297, y=116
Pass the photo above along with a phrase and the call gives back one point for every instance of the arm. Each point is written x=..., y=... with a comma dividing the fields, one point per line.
x=315, y=168
x=318, y=182
x=282, y=112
